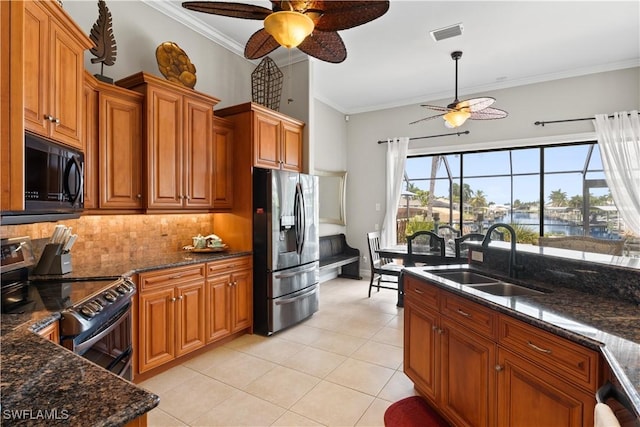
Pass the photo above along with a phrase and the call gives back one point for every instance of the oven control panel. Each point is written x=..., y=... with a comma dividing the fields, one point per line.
x=98, y=308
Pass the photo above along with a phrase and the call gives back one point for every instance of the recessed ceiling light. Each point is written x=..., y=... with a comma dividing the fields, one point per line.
x=447, y=32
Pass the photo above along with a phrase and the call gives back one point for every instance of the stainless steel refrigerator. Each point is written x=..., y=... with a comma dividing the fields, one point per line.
x=286, y=249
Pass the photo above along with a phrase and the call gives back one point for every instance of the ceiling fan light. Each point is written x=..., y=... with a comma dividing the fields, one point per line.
x=289, y=28
x=456, y=118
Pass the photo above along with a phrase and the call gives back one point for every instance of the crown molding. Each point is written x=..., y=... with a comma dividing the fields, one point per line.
x=281, y=56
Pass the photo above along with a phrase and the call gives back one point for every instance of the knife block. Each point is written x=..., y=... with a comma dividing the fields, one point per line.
x=53, y=261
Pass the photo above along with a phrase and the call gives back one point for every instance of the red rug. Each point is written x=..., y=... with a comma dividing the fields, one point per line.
x=412, y=411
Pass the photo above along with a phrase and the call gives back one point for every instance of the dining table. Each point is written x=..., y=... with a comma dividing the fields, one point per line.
x=421, y=255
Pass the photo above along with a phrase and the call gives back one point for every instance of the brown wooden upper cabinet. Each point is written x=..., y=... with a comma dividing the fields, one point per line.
x=223, y=139
x=113, y=155
x=53, y=53
x=275, y=139
x=178, y=154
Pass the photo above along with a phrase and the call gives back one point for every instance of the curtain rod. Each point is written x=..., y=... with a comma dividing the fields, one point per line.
x=567, y=120
x=466, y=132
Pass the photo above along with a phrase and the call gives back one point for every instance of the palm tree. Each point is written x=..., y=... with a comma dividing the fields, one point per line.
x=478, y=200
x=558, y=198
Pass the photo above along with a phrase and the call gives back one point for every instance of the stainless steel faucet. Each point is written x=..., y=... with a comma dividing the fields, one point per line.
x=513, y=266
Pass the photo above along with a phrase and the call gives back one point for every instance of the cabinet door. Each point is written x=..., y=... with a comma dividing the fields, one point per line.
x=164, y=149
x=291, y=154
x=468, y=375
x=529, y=395
x=90, y=135
x=421, y=355
x=66, y=74
x=120, y=152
x=156, y=328
x=198, y=153
x=190, y=317
x=218, y=307
x=222, y=164
x=267, y=135
x=36, y=53
x=242, y=300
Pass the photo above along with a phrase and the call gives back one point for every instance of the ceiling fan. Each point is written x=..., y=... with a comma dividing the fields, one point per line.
x=456, y=113
x=311, y=26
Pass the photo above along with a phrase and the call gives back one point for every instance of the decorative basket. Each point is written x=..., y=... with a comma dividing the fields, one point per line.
x=266, y=84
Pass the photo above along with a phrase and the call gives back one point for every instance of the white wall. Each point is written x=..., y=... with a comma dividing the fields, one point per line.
x=330, y=151
x=139, y=29
x=556, y=100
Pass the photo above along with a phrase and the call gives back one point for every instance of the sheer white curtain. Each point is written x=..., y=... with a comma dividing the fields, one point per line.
x=619, y=142
x=396, y=158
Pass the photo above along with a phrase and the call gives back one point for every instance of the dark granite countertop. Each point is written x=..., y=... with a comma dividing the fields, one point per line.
x=44, y=383
x=607, y=325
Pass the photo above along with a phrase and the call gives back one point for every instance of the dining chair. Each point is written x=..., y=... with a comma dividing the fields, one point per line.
x=383, y=270
x=424, y=241
x=477, y=237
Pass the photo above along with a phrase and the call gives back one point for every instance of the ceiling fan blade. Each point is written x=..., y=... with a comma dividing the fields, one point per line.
x=436, y=107
x=234, y=10
x=427, y=118
x=475, y=104
x=341, y=15
x=488, y=114
x=260, y=44
x=325, y=45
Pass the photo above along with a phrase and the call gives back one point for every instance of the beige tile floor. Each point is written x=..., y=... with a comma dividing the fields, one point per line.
x=341, y=367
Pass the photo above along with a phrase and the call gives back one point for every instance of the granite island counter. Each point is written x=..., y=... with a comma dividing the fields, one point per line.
x=44, y=383
x=594, y=301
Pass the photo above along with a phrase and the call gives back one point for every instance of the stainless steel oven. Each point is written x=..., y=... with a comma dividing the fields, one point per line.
x=99, y=328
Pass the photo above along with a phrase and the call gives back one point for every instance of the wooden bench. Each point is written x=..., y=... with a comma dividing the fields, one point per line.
x=336, y=253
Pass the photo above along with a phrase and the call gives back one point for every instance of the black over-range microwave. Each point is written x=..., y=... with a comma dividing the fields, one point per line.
x=53, y=183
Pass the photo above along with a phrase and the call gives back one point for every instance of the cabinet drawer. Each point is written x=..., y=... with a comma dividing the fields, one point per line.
x=480, y=319
x=565, y=358
x=421, y=293
x=169, y=277
x=228, y=265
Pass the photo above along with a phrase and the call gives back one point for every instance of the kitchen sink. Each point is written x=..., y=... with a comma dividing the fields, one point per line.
x=465, y=277
x=507, y=289
x=486, y=284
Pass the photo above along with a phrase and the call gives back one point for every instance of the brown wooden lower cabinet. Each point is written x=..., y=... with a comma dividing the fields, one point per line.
x=478, y=367
x=184, y=308
x=171, y=314
x=51, y=332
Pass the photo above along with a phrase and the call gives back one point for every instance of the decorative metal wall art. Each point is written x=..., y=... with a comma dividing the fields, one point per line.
x=101, y=35
x=266, y=84
x=174, y=64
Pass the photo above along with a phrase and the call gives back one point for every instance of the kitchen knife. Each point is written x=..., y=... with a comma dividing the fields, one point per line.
x=57, y=233
x=70, y=241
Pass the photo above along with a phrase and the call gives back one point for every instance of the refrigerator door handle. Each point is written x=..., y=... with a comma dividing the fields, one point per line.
x=297, y=298
x=299, y=212
x=297, y=273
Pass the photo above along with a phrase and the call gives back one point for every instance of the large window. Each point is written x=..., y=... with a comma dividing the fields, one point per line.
x=541, y=191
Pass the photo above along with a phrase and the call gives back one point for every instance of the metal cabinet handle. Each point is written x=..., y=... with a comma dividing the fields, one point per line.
x=180, y=297
x=499, y=368
x=173, y=299
x=139, y=196
x=465, y=314
x=418, y=291
x=540, y=349
x=56, y=120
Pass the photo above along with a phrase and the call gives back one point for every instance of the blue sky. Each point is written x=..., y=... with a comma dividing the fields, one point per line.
x=526, y=188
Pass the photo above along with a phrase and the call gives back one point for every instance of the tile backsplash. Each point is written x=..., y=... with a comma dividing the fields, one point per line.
x=118, y=238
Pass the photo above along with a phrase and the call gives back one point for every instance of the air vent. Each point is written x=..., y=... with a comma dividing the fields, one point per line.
x=447, y=32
